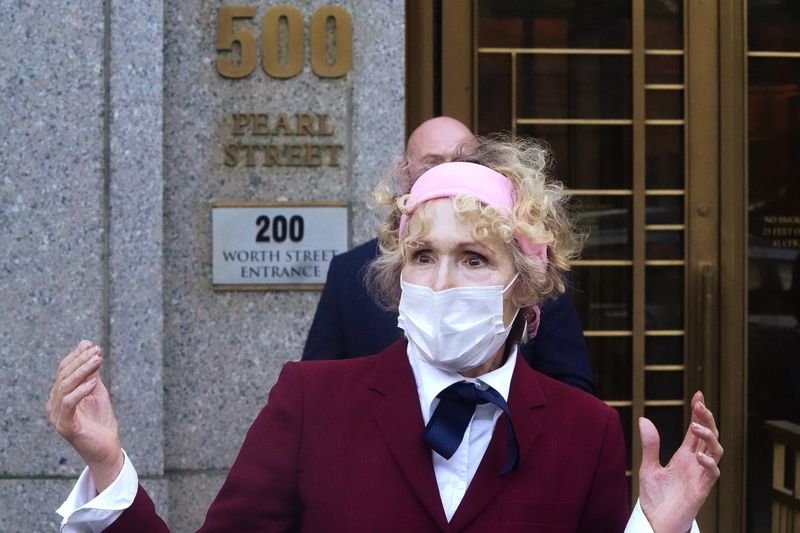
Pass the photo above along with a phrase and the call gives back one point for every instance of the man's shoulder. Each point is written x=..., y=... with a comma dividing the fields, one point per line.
x=567, y=397
x=356, y=257
x=349, y=371
x=347, y=269
x=336, y=369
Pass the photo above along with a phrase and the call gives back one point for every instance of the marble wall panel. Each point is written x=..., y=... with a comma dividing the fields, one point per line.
x=52, y=277
x=223, y=350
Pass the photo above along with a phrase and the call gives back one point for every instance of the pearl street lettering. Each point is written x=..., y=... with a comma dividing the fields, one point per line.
x=248, y=129
x=287, y=155
x=283, y=124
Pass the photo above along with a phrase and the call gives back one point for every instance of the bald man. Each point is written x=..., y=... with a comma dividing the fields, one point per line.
x=432, y=143
x=349, y=324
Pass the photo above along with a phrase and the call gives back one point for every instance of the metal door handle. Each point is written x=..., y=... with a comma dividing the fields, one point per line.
x=706, y=306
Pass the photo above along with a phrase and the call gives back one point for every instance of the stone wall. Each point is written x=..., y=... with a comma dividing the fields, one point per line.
x=113, y=118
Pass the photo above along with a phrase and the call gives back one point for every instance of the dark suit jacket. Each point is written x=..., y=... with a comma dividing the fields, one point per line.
x=348, y=323
x=339, y=448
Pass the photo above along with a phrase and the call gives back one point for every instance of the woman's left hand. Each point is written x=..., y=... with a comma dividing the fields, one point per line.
x=671, y=496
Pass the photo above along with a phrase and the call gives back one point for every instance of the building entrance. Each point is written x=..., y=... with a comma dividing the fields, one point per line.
x=645, y=105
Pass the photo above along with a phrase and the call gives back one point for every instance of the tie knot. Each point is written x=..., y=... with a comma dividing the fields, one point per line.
x=472, y=394
x=464, y=392
x=446, y=428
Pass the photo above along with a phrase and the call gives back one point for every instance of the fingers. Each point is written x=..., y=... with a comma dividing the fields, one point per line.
x=711, y=446
x=651, y=443
x=79, y=369
x=74, y=360
x=710, y=467
x=79, y=349
x=702, y=415
x=75, y=379
x=71, y=400
x=697, y=397
x=709, y=463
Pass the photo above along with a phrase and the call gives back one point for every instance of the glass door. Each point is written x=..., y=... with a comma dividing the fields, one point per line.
x=624, y=92
x=773, y=281
x=564, y=73
x=676, y=124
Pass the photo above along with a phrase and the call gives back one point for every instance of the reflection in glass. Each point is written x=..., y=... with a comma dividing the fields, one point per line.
x=494, y=93
x=602, y=297
x=588, y=157
x=663, y=350
x=664, y=104
x=663, y=385
x=607, y=222
x=774, y=137
x=663, y=25
x=664, y=209
x=663, y=68
x=669, y=421
x=663, y=297
x=664, y=157
x=612, y=364
x=664, y=244
x=773, y=25
x=574, y=86
x=554, y=24
x=773, y=378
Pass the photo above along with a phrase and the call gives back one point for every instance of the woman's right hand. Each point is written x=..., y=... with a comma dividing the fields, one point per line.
x=80, y=410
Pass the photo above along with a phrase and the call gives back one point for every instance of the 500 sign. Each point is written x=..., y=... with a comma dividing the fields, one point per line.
x=294, y=45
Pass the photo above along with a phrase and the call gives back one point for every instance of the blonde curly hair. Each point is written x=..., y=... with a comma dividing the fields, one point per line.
x=540, y=214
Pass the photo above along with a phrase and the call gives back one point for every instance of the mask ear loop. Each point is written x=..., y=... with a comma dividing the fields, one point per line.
x=510, y=283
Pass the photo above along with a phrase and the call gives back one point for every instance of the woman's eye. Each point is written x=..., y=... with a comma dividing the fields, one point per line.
x=422, y=257
x=476, y=260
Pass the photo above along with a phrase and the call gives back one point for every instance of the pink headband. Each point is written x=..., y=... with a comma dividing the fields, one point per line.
x=488, y=186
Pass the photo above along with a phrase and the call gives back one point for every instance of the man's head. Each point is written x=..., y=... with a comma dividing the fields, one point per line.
x=433, y=142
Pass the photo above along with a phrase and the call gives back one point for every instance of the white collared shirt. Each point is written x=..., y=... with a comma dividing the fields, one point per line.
x=454, y=475
x=85, y=511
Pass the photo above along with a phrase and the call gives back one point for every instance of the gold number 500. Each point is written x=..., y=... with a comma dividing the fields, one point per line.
x=295, y=39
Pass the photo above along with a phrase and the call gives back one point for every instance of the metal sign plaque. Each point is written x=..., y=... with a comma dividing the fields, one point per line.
x=276, y=245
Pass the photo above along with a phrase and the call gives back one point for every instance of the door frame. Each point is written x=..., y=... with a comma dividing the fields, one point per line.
x=733, y=263
x=715, y=100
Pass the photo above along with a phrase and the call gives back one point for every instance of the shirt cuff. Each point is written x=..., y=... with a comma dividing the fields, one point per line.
x=85, y=511
x=638, y=522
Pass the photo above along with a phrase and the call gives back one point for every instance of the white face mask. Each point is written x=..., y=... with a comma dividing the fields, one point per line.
x=456, y=329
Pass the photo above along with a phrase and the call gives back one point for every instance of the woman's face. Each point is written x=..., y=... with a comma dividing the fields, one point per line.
x=449, y=256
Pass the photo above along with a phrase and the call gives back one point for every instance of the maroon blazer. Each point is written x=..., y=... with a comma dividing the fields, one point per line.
x=338, y=448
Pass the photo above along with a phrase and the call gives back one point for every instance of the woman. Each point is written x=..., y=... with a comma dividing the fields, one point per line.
x=411, y=439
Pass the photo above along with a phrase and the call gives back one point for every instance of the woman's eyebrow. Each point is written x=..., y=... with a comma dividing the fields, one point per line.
x=460, y=245
x=475, y=244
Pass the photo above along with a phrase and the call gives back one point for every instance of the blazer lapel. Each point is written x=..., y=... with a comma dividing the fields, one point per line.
x=399, y=420
x=524, y=397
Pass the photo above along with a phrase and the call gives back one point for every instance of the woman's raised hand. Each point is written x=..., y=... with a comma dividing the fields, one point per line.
x=671, y=496
x=80, y=410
